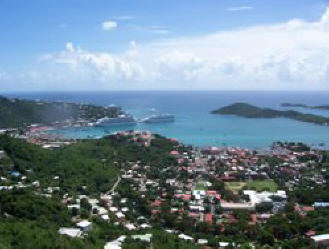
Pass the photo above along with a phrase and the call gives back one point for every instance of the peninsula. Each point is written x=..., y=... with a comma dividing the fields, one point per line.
x=20, y=113
x=250, y=111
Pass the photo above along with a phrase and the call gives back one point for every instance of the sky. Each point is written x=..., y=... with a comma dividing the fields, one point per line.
x=164, y=45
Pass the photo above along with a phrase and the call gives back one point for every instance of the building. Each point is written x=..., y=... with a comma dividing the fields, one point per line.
x=85, y=225
x=72, y=232
x=2, y=154
x=321, y=241
x=143, y=237
x=321, y=204
x=229, y=206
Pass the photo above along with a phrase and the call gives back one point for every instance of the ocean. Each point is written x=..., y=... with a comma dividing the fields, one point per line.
x=194, y=124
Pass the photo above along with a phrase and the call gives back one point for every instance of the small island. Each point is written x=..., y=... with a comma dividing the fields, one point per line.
x=321, y=107
x=250, y=111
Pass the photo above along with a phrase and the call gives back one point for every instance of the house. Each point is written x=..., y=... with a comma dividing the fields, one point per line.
x=85, y=225
x=145, y=226
x=120, y=215
x=321, y=241
x=105, y=217
x=223, y=244
x=143, y=237
x=113, y=209
x=185, y=237
x=130, y=226
x=321, y=204
x=202, y=242
x=72, y=232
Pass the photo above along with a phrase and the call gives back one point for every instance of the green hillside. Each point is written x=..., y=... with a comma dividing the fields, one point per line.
x=19, y=113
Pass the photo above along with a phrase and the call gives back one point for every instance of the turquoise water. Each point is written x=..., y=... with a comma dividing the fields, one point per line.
x=194, y=124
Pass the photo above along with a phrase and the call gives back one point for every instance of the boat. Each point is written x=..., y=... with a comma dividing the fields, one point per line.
x=123, y=119
x=162, y=118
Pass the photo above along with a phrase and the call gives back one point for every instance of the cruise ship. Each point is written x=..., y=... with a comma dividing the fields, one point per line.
x=162, y=118
x=123, y=119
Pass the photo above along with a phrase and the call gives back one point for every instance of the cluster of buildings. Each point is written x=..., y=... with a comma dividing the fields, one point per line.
x=141, y=138
x=197, y=186
x=197, y=170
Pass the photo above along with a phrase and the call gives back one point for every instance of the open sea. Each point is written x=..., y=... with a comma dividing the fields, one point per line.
x=194, y=124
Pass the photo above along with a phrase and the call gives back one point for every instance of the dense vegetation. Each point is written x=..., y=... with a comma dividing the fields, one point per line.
x=19, y=113
x=93, y=164
x=323, y=107
x=29, y=219
x=250, y=111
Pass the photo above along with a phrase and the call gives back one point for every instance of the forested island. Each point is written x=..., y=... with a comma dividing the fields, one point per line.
x=321, y=107
x=250, y=111
x=20, y=113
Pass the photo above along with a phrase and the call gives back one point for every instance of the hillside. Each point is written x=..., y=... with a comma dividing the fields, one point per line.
x=19, y=113
x=94, y=164
x=30, y=217
x=250, y=111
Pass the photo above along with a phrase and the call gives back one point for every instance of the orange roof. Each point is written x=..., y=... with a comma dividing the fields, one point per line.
x=156, y=203
x=208, y=218
x=308, y=208
x=211, y=192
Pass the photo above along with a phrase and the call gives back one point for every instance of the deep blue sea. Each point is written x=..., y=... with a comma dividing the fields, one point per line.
x=194, y=124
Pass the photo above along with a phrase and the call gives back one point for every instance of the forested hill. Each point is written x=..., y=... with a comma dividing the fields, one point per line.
x=30, y=217
x=17, y=113
x=91, y=163
x=250, y=111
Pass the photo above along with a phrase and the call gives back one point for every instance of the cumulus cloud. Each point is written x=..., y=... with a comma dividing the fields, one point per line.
x=239, y=8
x=109, y=25
x=291, y=55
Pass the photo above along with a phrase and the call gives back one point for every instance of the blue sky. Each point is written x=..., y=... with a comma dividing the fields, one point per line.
x=104, y=44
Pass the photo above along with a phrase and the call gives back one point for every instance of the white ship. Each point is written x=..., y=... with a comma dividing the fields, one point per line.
x=162, y=118
x=123, y=119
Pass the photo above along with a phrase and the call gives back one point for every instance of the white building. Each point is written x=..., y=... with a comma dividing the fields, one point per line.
x=72, y=232
x=85, y=225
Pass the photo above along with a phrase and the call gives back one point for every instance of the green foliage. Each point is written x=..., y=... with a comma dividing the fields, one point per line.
x=31, y=221
x=19, y=113
x=24, y=204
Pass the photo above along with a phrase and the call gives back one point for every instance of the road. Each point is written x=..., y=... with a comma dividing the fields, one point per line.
x=115, y=185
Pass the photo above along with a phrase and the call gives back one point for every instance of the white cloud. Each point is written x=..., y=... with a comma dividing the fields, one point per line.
x=286, y=56
x=109, y=25
x=69, y=46
x=239, y=8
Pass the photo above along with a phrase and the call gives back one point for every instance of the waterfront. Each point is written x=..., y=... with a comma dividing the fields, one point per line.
x=193, y=122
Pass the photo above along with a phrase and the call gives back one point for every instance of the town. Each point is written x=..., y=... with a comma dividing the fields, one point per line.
x=213, y=197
